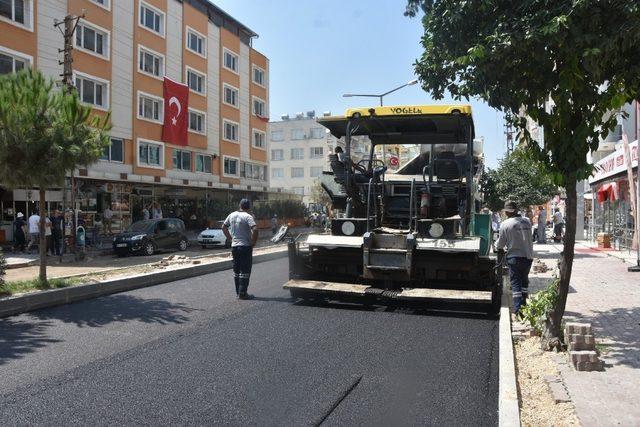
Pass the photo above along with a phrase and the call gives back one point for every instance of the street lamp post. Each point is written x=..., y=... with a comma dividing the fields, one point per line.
x=382, y=95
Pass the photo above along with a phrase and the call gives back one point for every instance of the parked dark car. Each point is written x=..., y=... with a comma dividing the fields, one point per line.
x=148, y=236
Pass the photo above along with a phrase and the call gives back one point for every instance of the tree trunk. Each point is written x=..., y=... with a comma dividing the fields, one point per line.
x=43, y=240
x=552, y=333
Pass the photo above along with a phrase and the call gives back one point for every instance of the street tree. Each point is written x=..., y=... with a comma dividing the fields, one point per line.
x=319, y=195
x=45, y=134
x=567, y=64
x=519, y=178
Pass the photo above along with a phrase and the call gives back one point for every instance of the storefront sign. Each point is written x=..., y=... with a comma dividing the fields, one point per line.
x=614, y=163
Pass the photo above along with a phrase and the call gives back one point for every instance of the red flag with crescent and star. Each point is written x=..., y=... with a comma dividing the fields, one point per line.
x=176, y=103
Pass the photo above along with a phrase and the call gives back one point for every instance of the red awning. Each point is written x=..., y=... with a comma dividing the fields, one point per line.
x=608, y=192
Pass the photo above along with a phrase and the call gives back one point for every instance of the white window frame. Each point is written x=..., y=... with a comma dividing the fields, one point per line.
x=105, y=94
x=97, y=28
x=298, y=139
x=106, y=6
x=109, y=160
x=142, y=48
x=237, y=174
x=204, y=42
x=295, y=190
x=146, y=165
x=224, y=136
x=195, y=164
x=277, y=140
x=315, y=156
x=224, y=101
x=281, y=158
x=311, y=170
x=264, y=74
x=280, y=175
x=224, y=65
x=28, y=25
x=253, y=165
x=17, y=55
x=200, y=73
x=253, y=139
x=300, y=150
x=264, y=106
x=160, y=109
x=322, y=133
x=297, y=168
x=204, y=121
x=159, y=12
x=179, y=168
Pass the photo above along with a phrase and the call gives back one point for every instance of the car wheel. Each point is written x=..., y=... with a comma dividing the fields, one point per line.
x=183, y=244
x=149, y=249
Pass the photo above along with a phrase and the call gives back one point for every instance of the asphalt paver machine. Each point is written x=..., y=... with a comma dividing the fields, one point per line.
x=406, y=226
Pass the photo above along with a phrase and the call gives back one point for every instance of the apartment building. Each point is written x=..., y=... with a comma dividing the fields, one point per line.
x=123, y=51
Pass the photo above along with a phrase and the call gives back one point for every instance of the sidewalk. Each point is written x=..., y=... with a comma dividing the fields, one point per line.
x=605, y=294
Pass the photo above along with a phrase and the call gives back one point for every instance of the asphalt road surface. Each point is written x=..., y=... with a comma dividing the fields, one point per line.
x=188, y=352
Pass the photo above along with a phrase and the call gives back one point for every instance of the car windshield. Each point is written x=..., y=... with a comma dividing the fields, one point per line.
x=140, y=226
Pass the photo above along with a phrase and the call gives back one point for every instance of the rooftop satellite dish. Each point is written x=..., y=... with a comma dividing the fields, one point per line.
x=281, y=234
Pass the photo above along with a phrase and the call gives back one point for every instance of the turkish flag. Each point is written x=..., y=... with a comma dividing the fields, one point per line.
x=176, y=103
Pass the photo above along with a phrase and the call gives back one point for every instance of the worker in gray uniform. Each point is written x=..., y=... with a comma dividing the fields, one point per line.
x=516, y=237
x=241, y=229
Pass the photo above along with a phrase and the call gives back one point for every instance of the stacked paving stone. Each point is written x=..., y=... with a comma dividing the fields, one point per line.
x=582, y=347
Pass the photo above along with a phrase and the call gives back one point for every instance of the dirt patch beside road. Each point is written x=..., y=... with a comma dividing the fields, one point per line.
x=537, y=405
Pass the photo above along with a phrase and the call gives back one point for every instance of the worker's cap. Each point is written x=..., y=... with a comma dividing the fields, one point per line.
x=20, y=215
x=511, y=207
x=245, y=204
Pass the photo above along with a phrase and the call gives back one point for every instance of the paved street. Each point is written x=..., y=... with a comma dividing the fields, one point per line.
x=188, y=352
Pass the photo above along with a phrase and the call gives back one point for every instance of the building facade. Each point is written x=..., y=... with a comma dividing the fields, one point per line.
x=123, y=49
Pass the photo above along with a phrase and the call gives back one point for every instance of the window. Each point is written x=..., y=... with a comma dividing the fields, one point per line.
x=297, y=134
x=259, y=139
x=16, y=11
x=182, y=160
x=103, y=3
x=277, y=135
x=92, y=91
x=297, y=153
x=258, y=75
x=195, y=81
x=203, y=163
x=152, y=19
x=230, y=95
x=196, y=42
x=230, y=166
x=315, y=171
x=258, y=107
x=252, y=171
x=196, y=121
x=150, y=107
x=317, y=133
x=12, y=63
x=277, y=155
x=315, y=152
x=277, y=173
x=230, y=131
x=92, y=39
x=114, y=152
x=298, y=190
x=150, y=154
x=150, y=62
x=297, y=172
x=230, y=60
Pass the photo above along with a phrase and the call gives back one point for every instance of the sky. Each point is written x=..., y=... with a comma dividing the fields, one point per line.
x=320, y=50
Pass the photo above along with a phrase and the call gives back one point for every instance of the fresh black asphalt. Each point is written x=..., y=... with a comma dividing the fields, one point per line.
x=189, y=353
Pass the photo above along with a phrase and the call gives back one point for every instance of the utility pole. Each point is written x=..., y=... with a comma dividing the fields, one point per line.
x=70, y=23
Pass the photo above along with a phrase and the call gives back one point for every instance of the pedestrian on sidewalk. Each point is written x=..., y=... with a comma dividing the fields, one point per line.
x=97, y=229
x=34, y=231
x=542, y=225
x=515, y=236
x=241, y=229
x=274, y=224
x=57, y=227
x=19, y=235
x=47, y=235
x=558, y=225
x=107, y=215
x=145, y=213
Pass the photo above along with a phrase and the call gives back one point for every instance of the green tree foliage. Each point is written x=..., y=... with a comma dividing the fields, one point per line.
x=44, y=134
x=519, y=178
x=564, y=63
x=319, y=195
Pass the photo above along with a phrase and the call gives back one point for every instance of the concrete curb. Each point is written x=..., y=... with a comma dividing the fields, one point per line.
x=508, y=404
x=49, y=298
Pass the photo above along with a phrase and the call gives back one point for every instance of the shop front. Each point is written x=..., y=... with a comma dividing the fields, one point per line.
x=611, y=218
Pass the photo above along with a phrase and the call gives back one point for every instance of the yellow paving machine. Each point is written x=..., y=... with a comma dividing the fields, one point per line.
x=406, y=225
